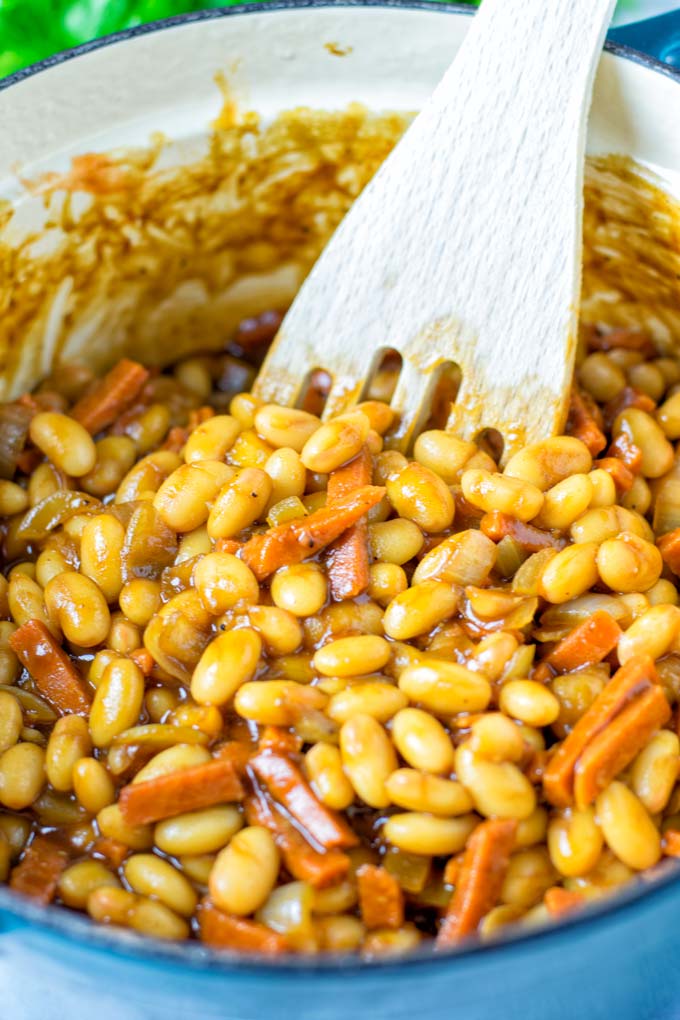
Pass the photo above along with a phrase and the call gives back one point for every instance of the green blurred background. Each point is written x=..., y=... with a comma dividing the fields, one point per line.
x=33, y=29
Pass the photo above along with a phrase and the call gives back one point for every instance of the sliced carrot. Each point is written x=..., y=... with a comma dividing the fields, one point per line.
x=56, y=678
x=228, y=932
x=671, y=843
x=275, y=738
x=175, y=439
x=288, y=786
x=381, y=900
x=301, y=860
x=111, y=396
x=636, y=676
x=622, y=475
x=297, y=540
x=485, y=864
x=496, y=525
x=582, y=424
x=614, y=747
x=586, y=644
x=144, y=659
x=200, y=786
x=112, y=850
x=625, y=449
x=228, y=545
x=669, y=547
x=348, y=556
x=198, y=416
x=560, y=901
x=237, y=752
x=37, y=873
x=348, y=563
x=542, y=673
x=452, y=869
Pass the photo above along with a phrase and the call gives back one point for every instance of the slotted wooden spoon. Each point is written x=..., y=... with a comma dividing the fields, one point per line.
x=466, y=245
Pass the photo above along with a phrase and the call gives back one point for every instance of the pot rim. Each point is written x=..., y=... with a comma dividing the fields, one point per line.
x=263, y=6
x=61, y=921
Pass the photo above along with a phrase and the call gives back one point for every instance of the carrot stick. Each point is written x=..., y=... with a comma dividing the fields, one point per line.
x=228, y=932
x=582, y=424
x=285, y=782
x=615, y=747
x=175, y=439
x=481, y=877
x=296, y=540
x=636, y=676
x=671, y=843
x=348, y=556
x=496, y=525
x=200, y=786
x=620, y=472
x=198, y=416
x=112, y=850
x=143, y=658
x=588, y=643
x=560, y=902
x=55, y=676
x=227, y=545
x=275, y=738
x=110, y=397
x=37, y=873
x=235, y=751
x=542, y=673
x=381, y=900
x=626, y=450
x=669, y=547
x=301, y=860
x=452, y=869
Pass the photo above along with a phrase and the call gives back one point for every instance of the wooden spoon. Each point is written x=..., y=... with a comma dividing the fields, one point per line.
x=466, y=245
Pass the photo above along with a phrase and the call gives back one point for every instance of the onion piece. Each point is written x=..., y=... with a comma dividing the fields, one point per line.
x=150, y=545
x=52, y=511
x=14, y=422
x=570, y=613
x=159, y=736
x=667, y=502
x=178, y=634
x=35, y=709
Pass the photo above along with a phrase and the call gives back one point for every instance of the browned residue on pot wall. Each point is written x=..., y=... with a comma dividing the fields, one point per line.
x=125, y=253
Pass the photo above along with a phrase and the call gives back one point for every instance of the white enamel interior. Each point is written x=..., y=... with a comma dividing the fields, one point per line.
x=275, y=60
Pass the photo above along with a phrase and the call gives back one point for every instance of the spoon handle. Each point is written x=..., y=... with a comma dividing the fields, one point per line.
x=547, y=48
x=512, y=111
x=466, y=245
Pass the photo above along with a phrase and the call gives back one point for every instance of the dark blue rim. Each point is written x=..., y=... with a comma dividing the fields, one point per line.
x=192, y=955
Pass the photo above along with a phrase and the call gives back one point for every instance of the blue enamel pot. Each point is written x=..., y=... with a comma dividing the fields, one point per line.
x=614, y=962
